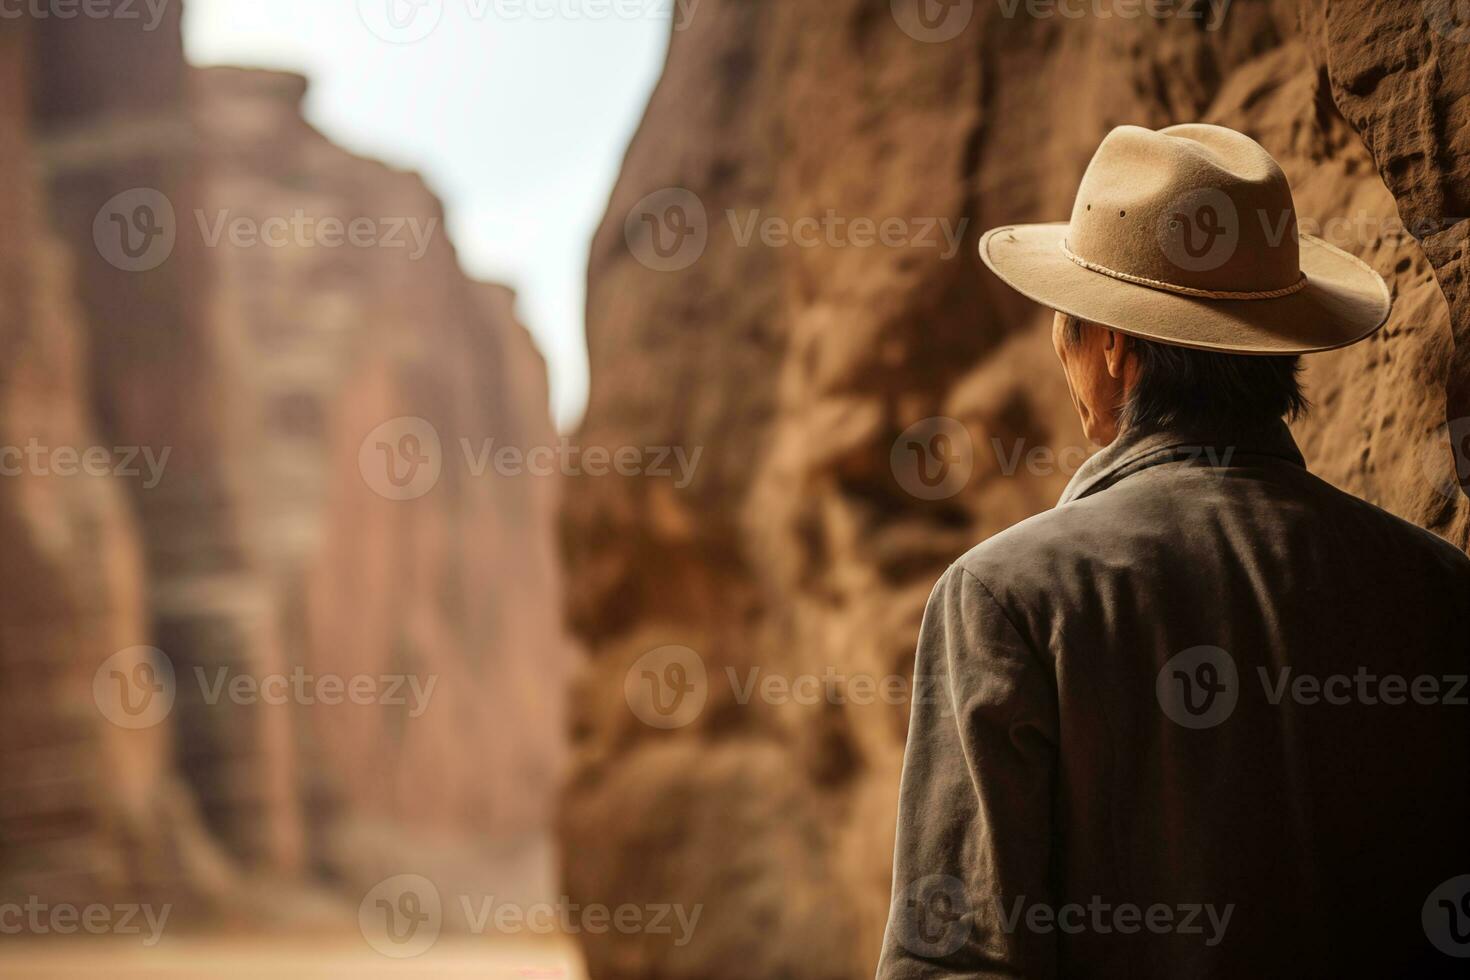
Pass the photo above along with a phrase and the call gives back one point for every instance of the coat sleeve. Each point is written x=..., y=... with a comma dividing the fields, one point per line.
x=975, y=801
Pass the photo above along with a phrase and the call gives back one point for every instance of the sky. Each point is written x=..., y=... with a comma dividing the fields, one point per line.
x=517, y=113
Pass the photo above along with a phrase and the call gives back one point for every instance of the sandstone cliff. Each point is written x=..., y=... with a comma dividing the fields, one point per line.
x=804, y=546
x=460, y=583
x=90, y=807
x=148, y=303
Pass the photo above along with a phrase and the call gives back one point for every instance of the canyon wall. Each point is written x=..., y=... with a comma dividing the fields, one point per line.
x=89, y=807
x=179, y=281
x=344, y=350
x=799, y=356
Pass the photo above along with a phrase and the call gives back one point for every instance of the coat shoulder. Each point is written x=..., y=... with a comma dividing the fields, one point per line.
x=1049, y=548
x=1150, y=525
x=1412, y=537
x=1454, y=560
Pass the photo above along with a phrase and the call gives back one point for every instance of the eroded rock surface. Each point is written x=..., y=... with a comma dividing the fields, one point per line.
x=89, y=807
x=279, y=372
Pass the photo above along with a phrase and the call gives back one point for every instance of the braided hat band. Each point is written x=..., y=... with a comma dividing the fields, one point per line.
x=1185, y=290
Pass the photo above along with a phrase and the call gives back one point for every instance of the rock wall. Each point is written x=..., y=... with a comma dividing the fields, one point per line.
x=807, y=544
x=161, y=376
x=173, y=281
x=460, y=583
x=88, y=806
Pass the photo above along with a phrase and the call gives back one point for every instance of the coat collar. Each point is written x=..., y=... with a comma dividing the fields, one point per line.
x=1138, y=449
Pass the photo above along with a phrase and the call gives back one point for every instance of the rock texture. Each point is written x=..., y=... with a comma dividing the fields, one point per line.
x=800, y=548
x=459, y=584
x=267, y=368
x=161, y=376
x=88, y=806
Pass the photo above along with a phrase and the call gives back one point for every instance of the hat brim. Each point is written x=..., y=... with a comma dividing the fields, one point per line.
x=1343, y=302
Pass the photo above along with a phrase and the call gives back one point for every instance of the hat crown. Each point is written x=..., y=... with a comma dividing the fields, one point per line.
x=1197, y=207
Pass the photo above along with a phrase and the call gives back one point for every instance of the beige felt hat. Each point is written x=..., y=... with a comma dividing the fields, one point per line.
x=1188, y=236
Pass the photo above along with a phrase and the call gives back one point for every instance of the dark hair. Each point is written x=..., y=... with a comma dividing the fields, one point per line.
x=1187, y=388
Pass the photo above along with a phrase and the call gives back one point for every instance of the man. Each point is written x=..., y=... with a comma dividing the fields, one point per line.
x=1170, y=728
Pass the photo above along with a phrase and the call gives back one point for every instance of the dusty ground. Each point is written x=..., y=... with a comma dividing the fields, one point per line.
x=237, y=958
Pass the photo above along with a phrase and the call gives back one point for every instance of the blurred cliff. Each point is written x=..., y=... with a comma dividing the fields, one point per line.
x=266, y=546
x=799, y=549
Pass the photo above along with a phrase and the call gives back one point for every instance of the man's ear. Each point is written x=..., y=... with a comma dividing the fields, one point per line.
x=1115, y=349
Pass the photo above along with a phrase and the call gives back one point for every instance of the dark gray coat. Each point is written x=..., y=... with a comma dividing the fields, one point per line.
x=1205, y=718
